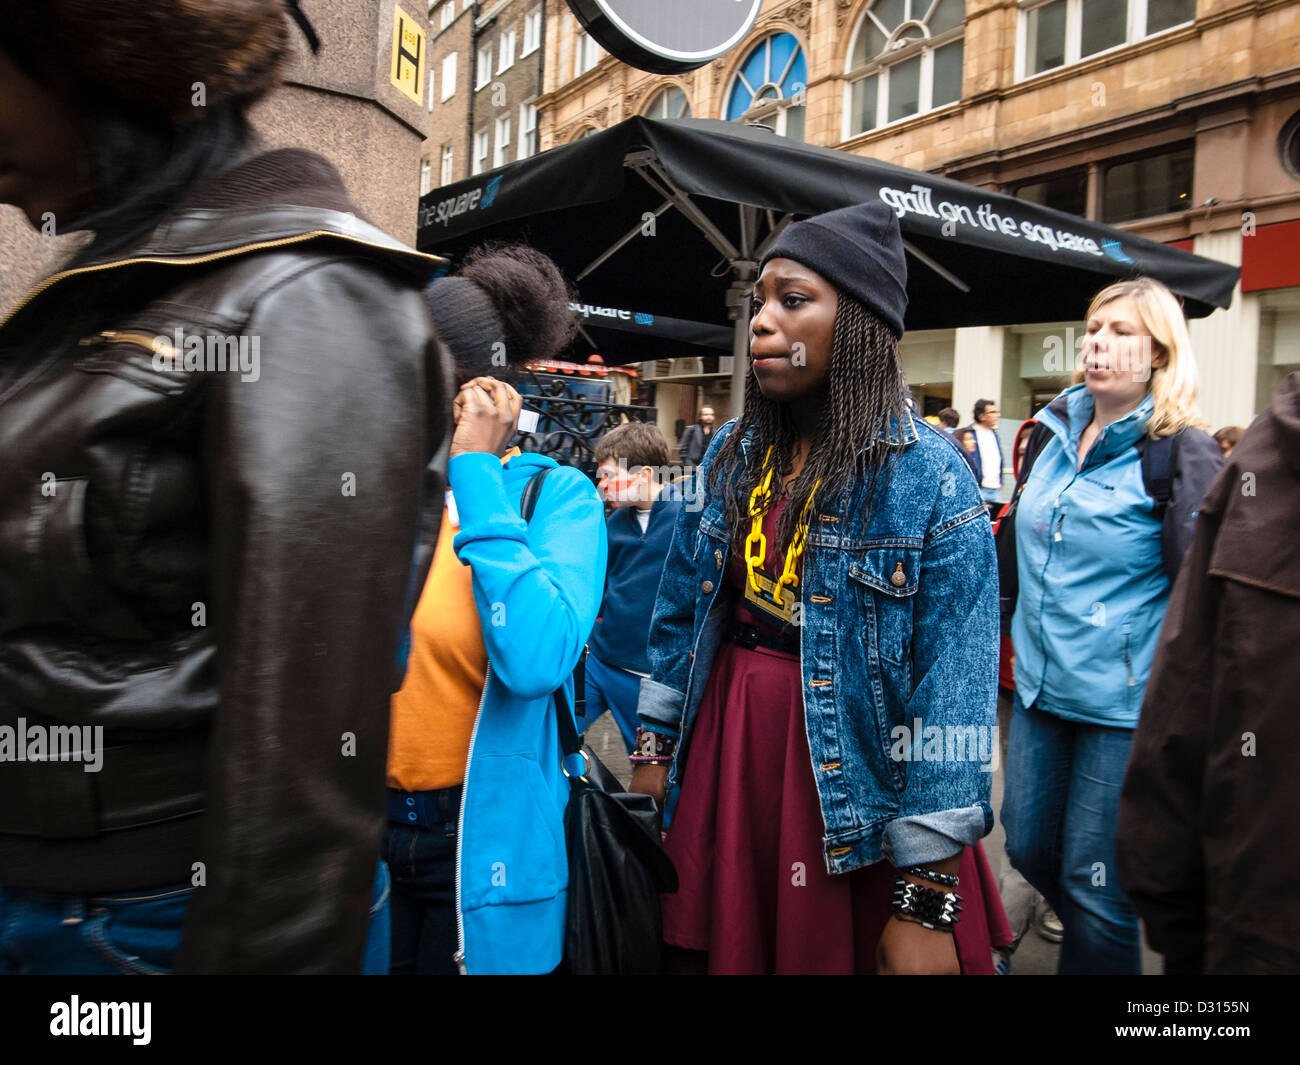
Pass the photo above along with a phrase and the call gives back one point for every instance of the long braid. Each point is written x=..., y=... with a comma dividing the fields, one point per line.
x=865, y=391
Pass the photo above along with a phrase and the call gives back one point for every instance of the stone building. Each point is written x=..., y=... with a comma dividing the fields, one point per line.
x=1175, y=119
x=485, y=76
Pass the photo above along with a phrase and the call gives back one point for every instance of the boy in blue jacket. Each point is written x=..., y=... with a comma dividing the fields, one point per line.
x=640, y=530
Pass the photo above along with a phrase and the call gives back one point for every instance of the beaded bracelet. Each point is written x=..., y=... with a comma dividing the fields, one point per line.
x=934, y=876
x=648, y=759
x=935, y=910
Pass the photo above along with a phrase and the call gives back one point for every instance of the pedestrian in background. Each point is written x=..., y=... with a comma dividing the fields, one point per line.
x=988, y=446
x=965, y=441
x=630, y=459
x=476, y=794
x=204, y=558
x=1119, y=465
x=782, y=653
x=695, y=441
x=1206, y=847
x=1227, y=438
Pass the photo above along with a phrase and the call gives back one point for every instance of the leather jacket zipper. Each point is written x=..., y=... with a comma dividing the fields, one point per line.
x=459, y=956
x=193, y=260
x=160, y=346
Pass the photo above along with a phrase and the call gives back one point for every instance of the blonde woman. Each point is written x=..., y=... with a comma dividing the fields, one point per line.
x=1120, y=461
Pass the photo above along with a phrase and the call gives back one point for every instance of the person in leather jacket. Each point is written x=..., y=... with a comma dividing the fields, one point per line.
x=216, y=423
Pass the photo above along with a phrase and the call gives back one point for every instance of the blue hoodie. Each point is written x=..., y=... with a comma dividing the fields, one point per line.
x=537, y=586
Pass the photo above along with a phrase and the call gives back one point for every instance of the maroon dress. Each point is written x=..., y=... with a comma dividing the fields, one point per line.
x=746, y=836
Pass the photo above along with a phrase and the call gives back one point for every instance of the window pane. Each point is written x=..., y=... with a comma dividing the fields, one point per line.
x=948, y=14
x=1046, y=37
x=869, y=44
x=890, y=12
x=947, y=74
x=1105, y=25
x=1065, y=192
x=794, y=123
x=1161, y=14
x=863, y=114
x=904, y=88
x=674, y=102
x=1158, y=184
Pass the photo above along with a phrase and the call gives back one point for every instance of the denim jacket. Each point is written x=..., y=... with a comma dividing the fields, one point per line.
x=899, y=649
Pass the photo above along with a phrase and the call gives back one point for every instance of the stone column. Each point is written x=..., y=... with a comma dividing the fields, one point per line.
x=1226, y=343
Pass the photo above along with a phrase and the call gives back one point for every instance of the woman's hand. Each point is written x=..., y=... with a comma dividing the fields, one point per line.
x=909, y=949
x=486, y=412
x=650, y=780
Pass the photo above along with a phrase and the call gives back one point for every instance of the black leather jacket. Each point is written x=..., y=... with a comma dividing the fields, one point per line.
x=213, y=564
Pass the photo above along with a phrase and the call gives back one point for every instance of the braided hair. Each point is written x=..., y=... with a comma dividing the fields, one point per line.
x=867, y=390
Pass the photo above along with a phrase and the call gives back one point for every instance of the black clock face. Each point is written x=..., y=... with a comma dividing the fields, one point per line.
x=667, y=36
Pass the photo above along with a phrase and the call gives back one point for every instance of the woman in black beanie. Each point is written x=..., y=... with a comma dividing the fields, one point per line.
x=825, y=633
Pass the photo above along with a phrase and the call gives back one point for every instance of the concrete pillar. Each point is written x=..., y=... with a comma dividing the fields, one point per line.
x=977, y=367
x=1226, y=344
x=343, y=104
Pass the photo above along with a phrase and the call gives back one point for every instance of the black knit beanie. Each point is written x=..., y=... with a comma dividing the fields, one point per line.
x=468, y=323
x=857, y=249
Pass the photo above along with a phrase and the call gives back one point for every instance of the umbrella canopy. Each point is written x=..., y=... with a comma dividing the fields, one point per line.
x=620, y=335
x=674, y=215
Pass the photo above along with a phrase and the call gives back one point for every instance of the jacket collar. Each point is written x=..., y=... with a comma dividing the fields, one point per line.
x=1070, y=412
x=271, y=199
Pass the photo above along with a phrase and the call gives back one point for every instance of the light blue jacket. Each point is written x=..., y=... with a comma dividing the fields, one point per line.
x=898, y=650
x=537, y=587
x=1093, y=587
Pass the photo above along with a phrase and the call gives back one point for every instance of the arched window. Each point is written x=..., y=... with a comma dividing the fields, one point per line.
x=906, y=58
x=586, y=131
x=770, y=86
x=668, y=103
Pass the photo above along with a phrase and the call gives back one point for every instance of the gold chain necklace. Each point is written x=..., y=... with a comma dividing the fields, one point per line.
x=759, y=500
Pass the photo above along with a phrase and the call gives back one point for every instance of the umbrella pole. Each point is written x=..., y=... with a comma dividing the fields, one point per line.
x=738, y=296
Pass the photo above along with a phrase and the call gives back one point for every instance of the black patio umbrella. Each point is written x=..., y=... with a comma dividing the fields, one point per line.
x=673, y=217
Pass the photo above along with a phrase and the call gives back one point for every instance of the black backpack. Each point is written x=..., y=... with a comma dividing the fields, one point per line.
x=1159, y=461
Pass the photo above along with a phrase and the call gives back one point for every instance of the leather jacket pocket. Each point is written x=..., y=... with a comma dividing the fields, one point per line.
x=57, y=533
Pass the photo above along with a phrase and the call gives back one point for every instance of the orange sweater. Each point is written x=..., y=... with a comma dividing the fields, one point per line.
x=433, y=714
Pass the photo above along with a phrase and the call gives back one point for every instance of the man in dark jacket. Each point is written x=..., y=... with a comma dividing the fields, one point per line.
x=695, y=441
x=1205, y=847
x=214, y=424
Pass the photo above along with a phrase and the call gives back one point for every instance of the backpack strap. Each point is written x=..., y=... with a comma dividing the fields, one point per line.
x=1158, y=461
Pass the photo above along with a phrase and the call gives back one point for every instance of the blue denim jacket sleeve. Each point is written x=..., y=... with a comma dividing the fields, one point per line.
x=672, y=629
x=945, y=805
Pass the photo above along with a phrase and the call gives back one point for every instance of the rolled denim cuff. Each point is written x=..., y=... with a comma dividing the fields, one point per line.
x=660, y=707
x=924, y=838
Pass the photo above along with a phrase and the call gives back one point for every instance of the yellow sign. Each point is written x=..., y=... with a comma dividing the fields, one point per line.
x=408, y=55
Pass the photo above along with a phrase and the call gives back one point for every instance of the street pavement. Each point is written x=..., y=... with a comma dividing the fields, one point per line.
x=1035, y=956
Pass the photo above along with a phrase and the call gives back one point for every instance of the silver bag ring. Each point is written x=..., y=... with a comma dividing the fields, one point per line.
x=586, y=767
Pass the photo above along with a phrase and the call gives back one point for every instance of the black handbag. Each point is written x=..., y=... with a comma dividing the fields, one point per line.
x=617, y=864
x=617, y=868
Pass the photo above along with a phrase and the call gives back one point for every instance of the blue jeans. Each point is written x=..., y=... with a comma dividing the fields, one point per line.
x=420, y=849
x=1060, y=809
x=131, y=932
x=616, y=690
